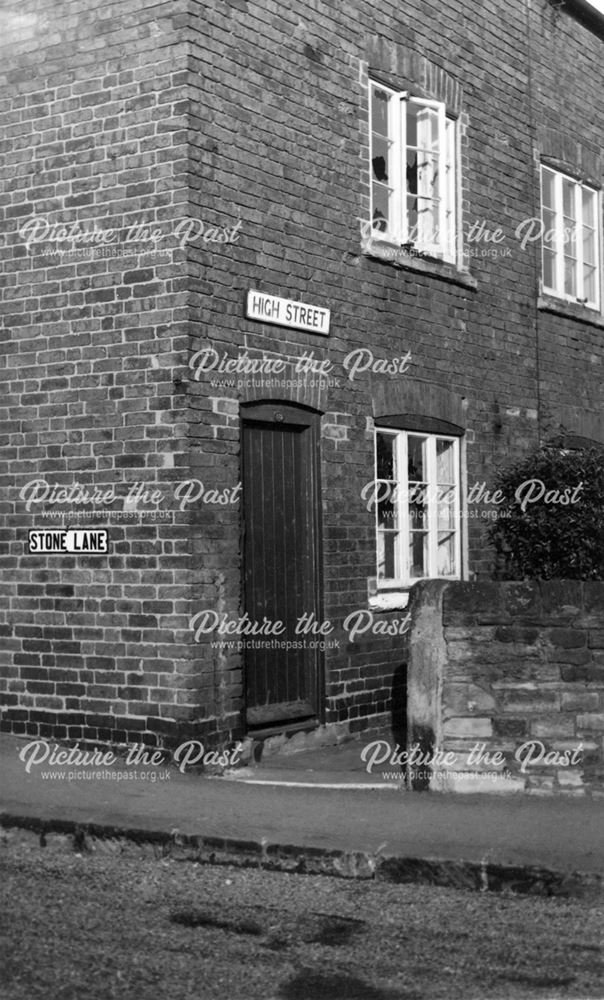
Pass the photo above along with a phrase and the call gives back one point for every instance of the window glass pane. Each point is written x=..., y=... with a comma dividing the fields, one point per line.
x=547, y=185
x=387, y=506
x=570, y=238
x=446, y=554
x=428, y=176
x=418, y=553
x=450, y=132
x=568, y=199
x=412, y=110
x=412, y=220
x=570, y=276
x=386, y=456
x=416, y=458
x=589, y=207
x=412, y=171
x=447, y=240
x=446, y=508
x=589, y=245
x=549, y=238
x=417, y=499
x=387, y=559
x=590, y=283
x=422, y=127
x=425, y=213
x=445, y=456
x=549, y=268
x=380, y=158
x=379, y=110
x=381, y=197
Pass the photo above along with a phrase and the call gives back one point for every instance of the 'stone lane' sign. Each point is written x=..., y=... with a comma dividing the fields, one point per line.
x=286, y=312
x=71, y=541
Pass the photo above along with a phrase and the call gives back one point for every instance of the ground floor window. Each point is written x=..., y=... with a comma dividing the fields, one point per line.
x=417, y=507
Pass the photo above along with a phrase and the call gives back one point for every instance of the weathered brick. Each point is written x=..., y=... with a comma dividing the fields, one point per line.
x=516, y=634
x=579, y=701
x=529, y=700
x=468, y=727
x=587, y=672
x=591, y=720
x=553, y=727
x=510, y=728
x=566, y=638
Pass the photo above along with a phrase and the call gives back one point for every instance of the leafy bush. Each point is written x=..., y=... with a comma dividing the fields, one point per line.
x=550, y=521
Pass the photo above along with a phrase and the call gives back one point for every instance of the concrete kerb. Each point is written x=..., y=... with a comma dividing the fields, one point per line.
x=293, y=859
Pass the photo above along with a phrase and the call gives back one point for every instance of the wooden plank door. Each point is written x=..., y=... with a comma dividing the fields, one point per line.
x=280, y=562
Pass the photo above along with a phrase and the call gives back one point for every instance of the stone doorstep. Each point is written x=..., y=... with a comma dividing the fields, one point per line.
x=480, y=876
x=469, y=782
x=308, y=737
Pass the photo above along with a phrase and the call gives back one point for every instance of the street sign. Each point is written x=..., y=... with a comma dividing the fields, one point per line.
x=70, y=541
x=285, y=312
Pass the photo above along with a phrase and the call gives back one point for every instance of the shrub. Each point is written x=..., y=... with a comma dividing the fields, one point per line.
x=550, y=523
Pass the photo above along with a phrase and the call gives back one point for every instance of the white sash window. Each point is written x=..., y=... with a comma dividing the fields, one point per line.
x=571, y=239
x=416, y=497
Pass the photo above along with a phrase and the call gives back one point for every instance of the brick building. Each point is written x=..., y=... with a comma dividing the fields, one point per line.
x=256, y=257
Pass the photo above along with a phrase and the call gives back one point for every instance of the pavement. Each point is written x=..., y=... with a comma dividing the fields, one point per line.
x=314, y=811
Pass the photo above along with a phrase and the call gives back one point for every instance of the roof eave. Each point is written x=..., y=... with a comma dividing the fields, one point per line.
x=587, y=14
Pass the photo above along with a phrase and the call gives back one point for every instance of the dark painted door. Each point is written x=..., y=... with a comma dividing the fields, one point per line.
x=281, y=563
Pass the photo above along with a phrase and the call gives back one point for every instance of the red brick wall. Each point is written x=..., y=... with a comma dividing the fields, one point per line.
x=253, y=113
x=94, y=120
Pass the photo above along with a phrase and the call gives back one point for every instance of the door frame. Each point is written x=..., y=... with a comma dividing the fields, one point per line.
x=293, y=415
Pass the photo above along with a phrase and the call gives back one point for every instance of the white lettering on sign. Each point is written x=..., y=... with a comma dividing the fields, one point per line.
x=285, y=312
x=91, y=541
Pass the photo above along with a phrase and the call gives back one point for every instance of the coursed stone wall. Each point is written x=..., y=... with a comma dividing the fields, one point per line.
x=506, y=687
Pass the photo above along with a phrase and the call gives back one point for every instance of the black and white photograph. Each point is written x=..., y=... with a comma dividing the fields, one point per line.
x=302, y=499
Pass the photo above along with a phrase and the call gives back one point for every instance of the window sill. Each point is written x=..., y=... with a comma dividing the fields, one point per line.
x=547, y=303
x=389, y=601
x=408, y=260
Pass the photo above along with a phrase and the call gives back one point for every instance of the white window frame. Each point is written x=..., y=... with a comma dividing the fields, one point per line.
x=399, y=231
x=558, y=248
x=404, y=580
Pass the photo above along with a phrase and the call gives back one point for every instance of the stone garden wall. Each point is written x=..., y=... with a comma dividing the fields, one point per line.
x=506, y=687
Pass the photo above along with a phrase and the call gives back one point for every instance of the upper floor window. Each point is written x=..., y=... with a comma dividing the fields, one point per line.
x=417, y=507
x=571, y=238
x=413, y=172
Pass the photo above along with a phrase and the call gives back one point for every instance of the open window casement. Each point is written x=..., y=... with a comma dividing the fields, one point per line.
x=413, y=186
x=385, y=163
x=423, y=125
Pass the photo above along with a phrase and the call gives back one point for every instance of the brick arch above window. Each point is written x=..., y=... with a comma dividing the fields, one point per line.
x=576, y=441
x=422, y=406
x=580, y=429
x=402, y=68
x=580, y=159
x=419, y=423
